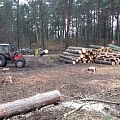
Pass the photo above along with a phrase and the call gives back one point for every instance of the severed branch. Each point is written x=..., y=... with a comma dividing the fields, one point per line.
x=76, y=109
x=99, y=100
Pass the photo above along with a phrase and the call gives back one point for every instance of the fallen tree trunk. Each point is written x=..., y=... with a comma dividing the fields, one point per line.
x=78, y=48
x=29, y=104
x=71, y=54
x=96, y=46
x=67, y=61
x=73, y=51
x=114, y=47
x=73, y=58
x=93, y=69
x=104, y=62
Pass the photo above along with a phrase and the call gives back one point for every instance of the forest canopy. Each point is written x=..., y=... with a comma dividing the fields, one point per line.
x=36, y=21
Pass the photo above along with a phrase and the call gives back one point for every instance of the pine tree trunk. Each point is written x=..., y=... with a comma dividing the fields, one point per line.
x=29, y=104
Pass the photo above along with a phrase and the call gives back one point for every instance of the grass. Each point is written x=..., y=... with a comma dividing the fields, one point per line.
x=53, y=58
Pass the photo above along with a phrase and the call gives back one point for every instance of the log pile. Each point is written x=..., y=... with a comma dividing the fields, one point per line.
x=108, y=58
x=106, y=55
x=78, y=55
x=97, y=54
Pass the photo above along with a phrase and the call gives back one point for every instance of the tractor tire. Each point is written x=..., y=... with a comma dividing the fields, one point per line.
x=3, y=61
x=20, y=63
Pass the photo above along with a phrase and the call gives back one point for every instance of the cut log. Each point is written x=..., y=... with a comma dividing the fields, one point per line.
x=29, y=104
x=89, y=49
x=96, y=46
x=78, y=48
x=104, y=62
x=114, y=47
x=93, y=69
x=5, y=69
x=73, y=58
x=73, y=51
x=84, y=60
x=71, y=54
x=67, y=61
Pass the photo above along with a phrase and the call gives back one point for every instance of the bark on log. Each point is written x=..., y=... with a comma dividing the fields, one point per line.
x=29, y=104
x=78, y=48
x=114, y=47
x=73, y=58
x=96, y=46
x=89, y=49
x=104, y=62
x=71, y=54
x=67, y=61
x=73, y=51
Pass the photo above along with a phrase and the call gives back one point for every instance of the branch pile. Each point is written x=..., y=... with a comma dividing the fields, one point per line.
x=96, y=53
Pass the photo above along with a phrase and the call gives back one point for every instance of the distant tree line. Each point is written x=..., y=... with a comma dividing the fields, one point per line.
x=39, y=20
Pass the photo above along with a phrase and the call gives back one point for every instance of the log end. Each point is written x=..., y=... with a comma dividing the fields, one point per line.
x=91, y=68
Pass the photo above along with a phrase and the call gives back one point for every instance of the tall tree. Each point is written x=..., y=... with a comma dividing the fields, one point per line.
x=68, y=23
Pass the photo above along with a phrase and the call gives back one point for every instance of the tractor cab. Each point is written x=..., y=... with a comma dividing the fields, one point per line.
x=4, y=48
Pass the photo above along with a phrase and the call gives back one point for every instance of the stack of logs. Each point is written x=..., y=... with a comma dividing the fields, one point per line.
x=108, y=58
x=111, y=57
x=78, y=55
x=97, y=54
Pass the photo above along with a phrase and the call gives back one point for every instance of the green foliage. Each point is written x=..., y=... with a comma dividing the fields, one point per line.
x=40, y=20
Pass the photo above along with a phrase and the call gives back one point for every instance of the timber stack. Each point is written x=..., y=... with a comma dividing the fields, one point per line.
x=107, y=55
x=108, y=58
x=75, y=55
x=97, y=54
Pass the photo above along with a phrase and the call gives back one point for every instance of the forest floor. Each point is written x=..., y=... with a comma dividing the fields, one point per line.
x=47, y=73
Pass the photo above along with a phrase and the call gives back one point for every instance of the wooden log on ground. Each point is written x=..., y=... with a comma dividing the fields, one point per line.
x=104, y=62
x=5, y=69
x=89, y=49
x=29, y=104
x=73, y=51
x=73, y=58
x=84, y=60
x=71, y=54
x=114, y=47
x=91, y=68
x=96, y=46
x=67, y=61
x=78, y=48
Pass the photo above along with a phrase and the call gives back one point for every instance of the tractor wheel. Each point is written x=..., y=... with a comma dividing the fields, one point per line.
x=20, y=63
x=3, y=61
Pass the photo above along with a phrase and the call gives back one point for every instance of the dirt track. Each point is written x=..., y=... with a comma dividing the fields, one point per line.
x=42, y=74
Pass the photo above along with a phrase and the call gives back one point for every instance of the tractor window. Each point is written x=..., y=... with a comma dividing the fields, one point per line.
x=5, y=49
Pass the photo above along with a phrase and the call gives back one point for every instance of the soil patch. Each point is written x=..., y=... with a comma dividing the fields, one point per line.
x=47, y=73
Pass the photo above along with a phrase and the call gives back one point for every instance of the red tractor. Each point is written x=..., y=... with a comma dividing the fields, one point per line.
x=7, y=55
